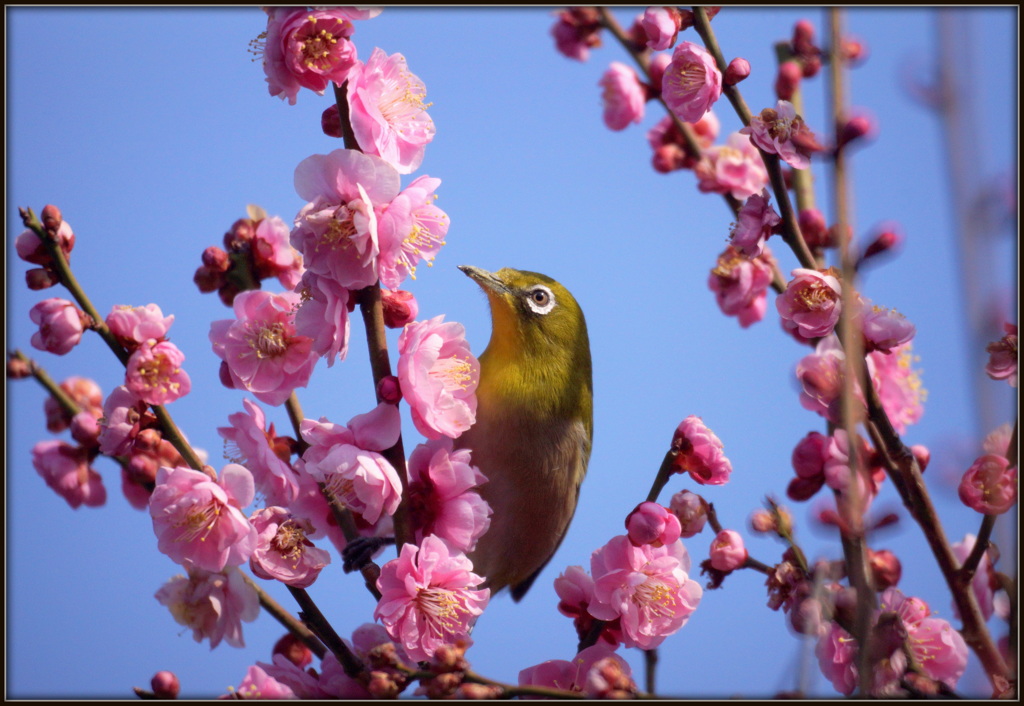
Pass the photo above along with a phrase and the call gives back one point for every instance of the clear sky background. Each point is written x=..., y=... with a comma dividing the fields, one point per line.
x=152, y=129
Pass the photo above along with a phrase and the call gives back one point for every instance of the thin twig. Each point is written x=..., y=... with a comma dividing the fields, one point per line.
x=295, y=626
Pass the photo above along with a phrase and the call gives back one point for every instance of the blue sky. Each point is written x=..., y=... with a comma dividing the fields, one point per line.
x=152, y=129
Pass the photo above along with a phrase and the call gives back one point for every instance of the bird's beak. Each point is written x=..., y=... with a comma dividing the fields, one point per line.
x=487, y=280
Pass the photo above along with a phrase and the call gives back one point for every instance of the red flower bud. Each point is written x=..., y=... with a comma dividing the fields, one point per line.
x=389, y=390
x=888, y=239
x=885, y=568
x=801, y=489
x=165, y=685
x=855, y=128
x=51, y=218
x=216, y=259
x=668, y=158
x=293, y=650
x=812, y=226
x=400, y=307
x=854, y=50
x=40, y=278
x=330, y=121
x=18, y=369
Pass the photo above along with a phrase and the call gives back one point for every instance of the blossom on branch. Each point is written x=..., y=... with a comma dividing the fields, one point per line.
x=429, y=597
x=989, y=486
x=323, y=315
x=411, y=230
x=692, y=82
x=727, y=551
x=700, y=453
x=61, y=325
x=212, y=604
x=282, y=550
x=261, y=349
x=623, y=96
x=154, y=373
x=574, y=675
x=646, y=587
x=336, y=232
x=66, y=470
x=741, y=284
x=134, y=325
x=304, y=48
x=781, y=131
x=755, y=223
x=1002, y=361
x=250, y=443
x=198, y=521
x=811, y=304
x=439, y=377
x=387, y=111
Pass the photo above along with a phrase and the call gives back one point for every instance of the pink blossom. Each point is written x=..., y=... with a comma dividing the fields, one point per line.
x=305, y=49
x=985, y=583
x=134, y=325
x=623, y=96
x=250, y=443
x=387, y=110
x=60, y=325
x=363, y=481
x=935, y=645
x=989, y=486
x=661, y=24
x=821, y=378
x=336, y=232
x=647, y=587
x=443, y=500
x=998, y=440
x=273, y=255
x=438, y=376
x=65, y=468
x=811, y=304
x=429, y=597
x=734, y=168
x=690, y=510
x=376, y=430
x=570, y=675
x=741, y=284
x=576, y=31
x=700, y=453
x=154, y=373
x=575, y=591
x=692, y=82
x=1002, y=360
x=282, y=550
x=412, y=230
x=30, y=247
x=755, y=223
x=213, y=605
x=261, y=349
x=257, y=685
x=727, y=551
x=737, y=70
x=837, y=473
x=837, y=653
x=85, y=393
x=323, y=316
x=884, y=329
x=198, y=521
x=610, y=678
x=650, y=523
x=781, y=131
x=898, y=385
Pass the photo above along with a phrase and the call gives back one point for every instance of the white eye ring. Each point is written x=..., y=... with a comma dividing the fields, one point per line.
x=540, y=299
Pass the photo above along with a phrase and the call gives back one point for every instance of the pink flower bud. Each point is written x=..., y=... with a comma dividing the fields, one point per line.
x=888, y=239
x=922, y=454
x=668, y=158
x=813, y=227
x=400, y=307
x=650, y=523
x=60, y=325
x=855, y=128
x=738, y=69
x=656, y=70
x=803, y=38
x=727, y=551
x=1002, y=360
x=689, y=509
x=811, y=66
x=18, y=369
x=885, y=568
x=40, y=278
x=165, y=685
x=51, y=218
x=330, y=121
x=660, y=26
x=31, y=249
x=389, y=389
x=809, y=455
x=208, y=279
x=989, y=486
x=761, y=521
x=854, y=50
x=216, y=259
x=787, y=81
x=85, y=429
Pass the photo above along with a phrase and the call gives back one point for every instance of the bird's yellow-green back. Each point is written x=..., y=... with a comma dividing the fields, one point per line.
x=532, y=437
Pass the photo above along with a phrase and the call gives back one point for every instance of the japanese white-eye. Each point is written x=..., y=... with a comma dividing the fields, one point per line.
x=534, y=423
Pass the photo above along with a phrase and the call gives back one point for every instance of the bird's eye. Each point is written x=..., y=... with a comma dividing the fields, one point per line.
x=540, y=299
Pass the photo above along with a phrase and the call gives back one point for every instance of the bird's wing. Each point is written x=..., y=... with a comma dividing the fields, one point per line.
x=577, y=451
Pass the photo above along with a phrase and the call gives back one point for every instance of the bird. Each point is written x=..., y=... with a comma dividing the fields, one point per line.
x=534, y=424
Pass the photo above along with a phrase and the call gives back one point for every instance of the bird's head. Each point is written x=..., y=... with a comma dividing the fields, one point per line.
x=533, y=317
